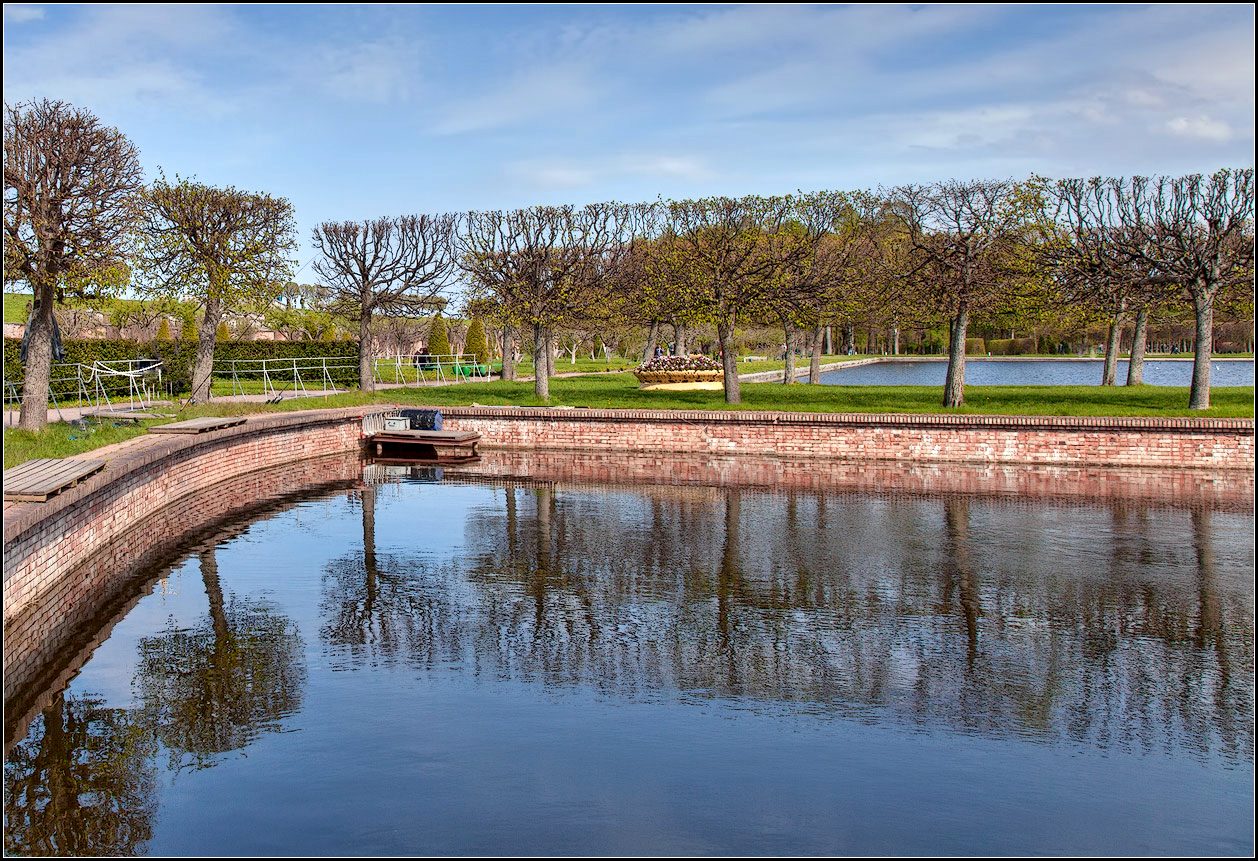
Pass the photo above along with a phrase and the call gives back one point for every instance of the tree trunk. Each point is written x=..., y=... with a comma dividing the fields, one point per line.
x=870, y=346
x=954, y=388
x=550, y=352
x=1113, y=343
x=508, y=353
x=679, y=339
x=829, y=341
x=541, y=380
x=1203, y=308
x=849, y=338
x=788, y=372
x=366, y=369
x=1135, y=367
x=652, y=337
x=729, y=361
x=203, y=366
x=814, y=361
x=38, y=366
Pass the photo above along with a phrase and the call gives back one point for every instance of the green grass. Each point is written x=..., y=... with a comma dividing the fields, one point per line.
x=621, y=391
x=15, y=307
x=62, y=439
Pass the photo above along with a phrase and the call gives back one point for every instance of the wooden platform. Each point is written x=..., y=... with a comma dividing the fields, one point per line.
x=37, y=480
x=210, y=423
x=443, y=445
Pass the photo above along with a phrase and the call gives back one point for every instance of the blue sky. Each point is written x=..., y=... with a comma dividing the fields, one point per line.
x=357, y=112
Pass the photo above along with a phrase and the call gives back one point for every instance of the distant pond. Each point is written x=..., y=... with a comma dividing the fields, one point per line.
x=1036, y=372
x=437, y=667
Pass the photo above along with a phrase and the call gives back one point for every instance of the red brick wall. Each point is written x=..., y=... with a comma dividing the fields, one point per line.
x=1177, y=443
x=47, y=641
x=43, y=541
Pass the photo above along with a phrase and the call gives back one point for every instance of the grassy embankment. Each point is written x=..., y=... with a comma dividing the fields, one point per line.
x=620, y=391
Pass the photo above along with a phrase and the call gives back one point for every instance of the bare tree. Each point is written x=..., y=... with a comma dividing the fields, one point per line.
x=70, y=186
x=956, y=230
x=221, y=246
x=1082, y=243
x=730, y=253
x=1197, y=232
x=541, y=265
x=389, y=265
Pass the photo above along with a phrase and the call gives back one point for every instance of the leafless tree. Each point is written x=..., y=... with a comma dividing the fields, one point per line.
x=1196, y=232
x=729, y=254
x=956, y=230
x=70, y=187
x=221, y=246
x=540, y=265
x=389, y=265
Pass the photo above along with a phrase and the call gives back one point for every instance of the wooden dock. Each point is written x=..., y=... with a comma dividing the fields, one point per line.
x=210, y=423
x=37, y=480
x=440, y=445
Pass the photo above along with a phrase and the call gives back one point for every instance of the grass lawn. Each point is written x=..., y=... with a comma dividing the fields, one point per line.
x=621, y=391
x=15, y=307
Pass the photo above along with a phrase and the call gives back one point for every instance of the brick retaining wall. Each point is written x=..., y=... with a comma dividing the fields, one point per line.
x=1171, y=443
x=47, y=641
x=43, y=541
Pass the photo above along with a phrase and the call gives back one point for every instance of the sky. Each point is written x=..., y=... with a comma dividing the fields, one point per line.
x=354, y=112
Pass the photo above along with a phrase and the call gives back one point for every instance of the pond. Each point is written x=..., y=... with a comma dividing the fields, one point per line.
x=1035, y=372
x=427, y=664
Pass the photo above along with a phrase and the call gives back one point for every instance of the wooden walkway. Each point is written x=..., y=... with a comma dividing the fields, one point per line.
x=203, y=425
x=37, y=480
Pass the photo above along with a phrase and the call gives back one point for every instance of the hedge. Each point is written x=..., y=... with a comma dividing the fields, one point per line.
x=177, y=357
x=1011, y=346
x=975, y=347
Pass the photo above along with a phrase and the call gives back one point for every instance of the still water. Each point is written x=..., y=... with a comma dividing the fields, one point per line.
x=446, y=667
x=1040, y=372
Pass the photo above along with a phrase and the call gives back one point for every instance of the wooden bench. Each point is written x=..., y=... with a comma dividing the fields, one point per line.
x=37, y=480
x=122, y=415
x=210, y=423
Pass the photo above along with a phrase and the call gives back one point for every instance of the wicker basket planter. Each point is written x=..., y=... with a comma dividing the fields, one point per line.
x=680, y=380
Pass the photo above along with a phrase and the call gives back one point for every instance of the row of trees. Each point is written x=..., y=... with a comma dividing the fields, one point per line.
x=79, y=219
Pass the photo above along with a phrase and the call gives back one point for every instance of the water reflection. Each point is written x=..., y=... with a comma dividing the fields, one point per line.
x=1107, y=626
x=82, y=783
x=210, y=689
x=944, y=618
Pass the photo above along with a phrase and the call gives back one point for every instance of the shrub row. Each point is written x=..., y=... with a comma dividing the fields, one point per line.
x=177, y=358
x=1011, y=346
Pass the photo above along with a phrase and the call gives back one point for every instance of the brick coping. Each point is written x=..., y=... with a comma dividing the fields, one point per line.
x=144, y=451
x=1185, y=424
x=139, y=453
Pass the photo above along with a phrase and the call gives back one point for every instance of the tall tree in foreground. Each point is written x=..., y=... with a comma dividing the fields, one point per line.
x=1197, y=232
x=70, y=186
x=957, y=230
x=223, y=247
x=389, y=266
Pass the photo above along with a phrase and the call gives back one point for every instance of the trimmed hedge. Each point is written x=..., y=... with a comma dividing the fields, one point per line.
x=975, y=347
x=1011, y=346
x=177, y=357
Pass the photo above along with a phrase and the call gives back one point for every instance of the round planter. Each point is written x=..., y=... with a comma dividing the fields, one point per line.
x=680, y=380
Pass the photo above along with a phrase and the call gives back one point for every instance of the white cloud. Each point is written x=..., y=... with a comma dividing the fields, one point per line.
x=537, y=95
x=1200, y=128
x=20, y=13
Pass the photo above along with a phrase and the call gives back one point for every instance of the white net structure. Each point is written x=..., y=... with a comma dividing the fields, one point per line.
x=132, y=384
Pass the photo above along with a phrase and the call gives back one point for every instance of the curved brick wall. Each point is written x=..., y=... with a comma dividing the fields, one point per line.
x=1175, y=443
x=43, y=541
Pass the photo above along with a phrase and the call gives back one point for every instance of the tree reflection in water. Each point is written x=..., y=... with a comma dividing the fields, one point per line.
x=81, y=783
x=996, y=618
x=211, y=689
